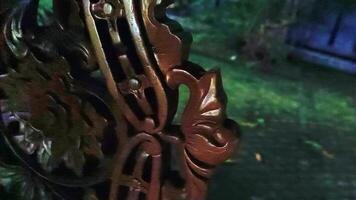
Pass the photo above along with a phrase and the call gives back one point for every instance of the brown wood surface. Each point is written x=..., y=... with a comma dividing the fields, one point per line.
x=90, y=102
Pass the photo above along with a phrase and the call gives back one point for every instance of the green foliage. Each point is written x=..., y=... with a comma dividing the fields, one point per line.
x=45, y=11
x=255, y=97
x=347, y=3
x=244, y=16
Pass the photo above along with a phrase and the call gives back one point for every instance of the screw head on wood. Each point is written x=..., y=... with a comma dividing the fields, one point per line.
x=103, y=9
x=108, y=8
x=134, y=84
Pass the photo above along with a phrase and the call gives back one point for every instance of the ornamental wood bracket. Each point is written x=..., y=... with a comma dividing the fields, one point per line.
x=89, y=103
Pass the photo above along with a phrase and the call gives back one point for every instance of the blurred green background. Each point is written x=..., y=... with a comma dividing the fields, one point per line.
x=297, y=119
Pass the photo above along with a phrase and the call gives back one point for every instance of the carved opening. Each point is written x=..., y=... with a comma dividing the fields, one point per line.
x=131, y=161
x=184, y=95
x=110, y=142
x=142, y=196
x=123, y=192
x=111, y=52
x=173, y=175
x=132, y=102
x=13, y=128
x=147, y=169
x=102, y=190
x=152, y=100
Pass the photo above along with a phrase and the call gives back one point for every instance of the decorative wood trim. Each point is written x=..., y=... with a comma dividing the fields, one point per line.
x=90, y=100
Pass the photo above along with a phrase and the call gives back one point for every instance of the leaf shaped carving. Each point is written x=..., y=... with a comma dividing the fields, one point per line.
x=170, y=42
x=209, y=137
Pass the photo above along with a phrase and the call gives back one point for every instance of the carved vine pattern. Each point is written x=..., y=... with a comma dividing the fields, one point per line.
x=88, y=102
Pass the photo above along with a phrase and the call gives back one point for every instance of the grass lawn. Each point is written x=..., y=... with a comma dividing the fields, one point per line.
x=298, y=132
x=297, y=120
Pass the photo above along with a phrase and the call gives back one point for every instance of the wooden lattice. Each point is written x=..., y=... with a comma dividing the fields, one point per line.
x=89, y=102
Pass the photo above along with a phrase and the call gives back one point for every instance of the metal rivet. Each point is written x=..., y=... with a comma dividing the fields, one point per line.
x=107, y=9
x=134, y=84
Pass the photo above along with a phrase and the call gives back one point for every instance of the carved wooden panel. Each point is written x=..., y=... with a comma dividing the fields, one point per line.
x=88, y=102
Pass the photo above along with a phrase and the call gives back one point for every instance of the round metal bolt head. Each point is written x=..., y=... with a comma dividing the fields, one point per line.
x=134, y=84
x=108, y=9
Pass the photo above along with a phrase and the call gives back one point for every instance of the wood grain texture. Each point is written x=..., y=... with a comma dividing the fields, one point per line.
x=90, y=100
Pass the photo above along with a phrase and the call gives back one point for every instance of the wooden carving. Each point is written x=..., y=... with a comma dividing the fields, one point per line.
x=88, y=102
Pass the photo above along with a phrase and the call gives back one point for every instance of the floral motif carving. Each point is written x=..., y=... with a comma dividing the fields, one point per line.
x=88, y=103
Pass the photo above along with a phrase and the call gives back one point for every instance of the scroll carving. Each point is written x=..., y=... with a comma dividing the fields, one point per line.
x=87, y=103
